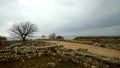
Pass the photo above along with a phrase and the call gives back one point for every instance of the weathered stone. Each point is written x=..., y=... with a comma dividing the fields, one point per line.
x=51, y=65
x=39, y=54
x=93, y=66
x=77, y=56
x=60, y=60
x=53, y=54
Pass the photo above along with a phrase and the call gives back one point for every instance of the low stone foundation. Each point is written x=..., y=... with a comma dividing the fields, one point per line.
x=78, y=56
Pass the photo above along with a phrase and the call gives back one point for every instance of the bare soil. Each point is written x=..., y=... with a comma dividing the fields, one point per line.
x=93, y=49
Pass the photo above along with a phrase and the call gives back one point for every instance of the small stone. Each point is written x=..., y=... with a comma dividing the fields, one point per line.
x=59, y=60
x=54, y=54
x=39, y=54
x=29, y=57
x=51, y=65
x=23, y=60
x=93, y=66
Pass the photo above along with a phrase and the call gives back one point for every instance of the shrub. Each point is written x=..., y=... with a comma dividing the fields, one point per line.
x=2, y=40
x=60, y=38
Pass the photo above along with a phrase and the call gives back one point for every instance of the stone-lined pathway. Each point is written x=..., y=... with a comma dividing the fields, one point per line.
x=93, y=49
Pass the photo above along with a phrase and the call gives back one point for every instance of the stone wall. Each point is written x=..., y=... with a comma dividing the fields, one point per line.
x=78, y=56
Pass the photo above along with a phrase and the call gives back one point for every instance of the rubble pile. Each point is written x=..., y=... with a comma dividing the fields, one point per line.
x=79, y=56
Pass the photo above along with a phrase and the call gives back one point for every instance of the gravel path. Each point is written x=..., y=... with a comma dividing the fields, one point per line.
x=93, y=49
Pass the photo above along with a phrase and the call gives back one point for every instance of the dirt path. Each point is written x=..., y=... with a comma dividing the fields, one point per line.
x=94, y=49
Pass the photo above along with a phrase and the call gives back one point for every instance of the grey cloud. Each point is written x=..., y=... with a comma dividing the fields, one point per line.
x=81, y=17
x=104, y=14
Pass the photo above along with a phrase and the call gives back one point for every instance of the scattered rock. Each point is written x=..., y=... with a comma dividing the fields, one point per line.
x=76, y=56
x=51, y=65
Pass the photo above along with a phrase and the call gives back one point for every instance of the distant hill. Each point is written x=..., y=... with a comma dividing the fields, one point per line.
x=96, y=37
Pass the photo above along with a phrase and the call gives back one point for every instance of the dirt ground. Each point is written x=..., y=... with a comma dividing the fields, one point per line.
x=93, y=49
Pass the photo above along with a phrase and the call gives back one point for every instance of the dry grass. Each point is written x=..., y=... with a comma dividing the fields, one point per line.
x=94, y=49
x=38, y=62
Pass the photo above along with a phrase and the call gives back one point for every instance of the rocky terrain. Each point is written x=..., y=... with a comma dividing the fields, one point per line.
x=107, y=42
x=93, y=49
x=80, y=57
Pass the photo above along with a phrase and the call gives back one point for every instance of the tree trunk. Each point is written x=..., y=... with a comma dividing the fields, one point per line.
x=23, y=39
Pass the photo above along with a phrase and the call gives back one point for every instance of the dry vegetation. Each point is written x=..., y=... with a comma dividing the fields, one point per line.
x=38, y=62
x=107, y=42
x=93, y=49
x=15, y=54
x=34, y=62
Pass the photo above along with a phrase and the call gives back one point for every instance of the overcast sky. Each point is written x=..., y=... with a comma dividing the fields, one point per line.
x=64, y=17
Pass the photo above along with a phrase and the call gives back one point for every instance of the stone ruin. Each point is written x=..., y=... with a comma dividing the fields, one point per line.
x=78, y=56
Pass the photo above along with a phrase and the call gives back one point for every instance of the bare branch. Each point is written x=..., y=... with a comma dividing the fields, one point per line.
x=23, y=29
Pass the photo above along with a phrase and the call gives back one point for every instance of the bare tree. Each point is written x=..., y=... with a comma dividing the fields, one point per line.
x=23, y=30
x=52, y=36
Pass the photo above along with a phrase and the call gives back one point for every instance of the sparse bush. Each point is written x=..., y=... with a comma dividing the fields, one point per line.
x=107, y=42
x=2, y=40
x=52, y=36
x=60, y=37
